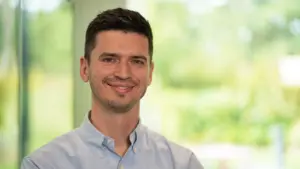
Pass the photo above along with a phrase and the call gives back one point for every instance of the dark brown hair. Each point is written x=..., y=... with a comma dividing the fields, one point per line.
x=117, y=19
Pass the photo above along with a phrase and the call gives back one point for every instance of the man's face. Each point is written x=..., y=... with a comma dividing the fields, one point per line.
x=119, y=71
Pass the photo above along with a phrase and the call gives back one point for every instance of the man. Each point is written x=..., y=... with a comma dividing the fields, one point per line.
x=118, y=66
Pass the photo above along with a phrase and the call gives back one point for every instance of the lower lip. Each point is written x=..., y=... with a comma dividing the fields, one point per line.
x=122, y=89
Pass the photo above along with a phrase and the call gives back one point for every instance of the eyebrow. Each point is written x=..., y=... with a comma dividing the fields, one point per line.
x=106, y=54
x=140, y=57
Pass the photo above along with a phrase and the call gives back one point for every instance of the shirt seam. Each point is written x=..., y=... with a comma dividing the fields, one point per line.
x=32, y=162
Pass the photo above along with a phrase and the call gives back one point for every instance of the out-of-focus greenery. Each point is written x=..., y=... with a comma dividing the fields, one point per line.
x=49, y=37
x=219, y=67
x=2, y=102
x=50, y=73
x=6, y=58
x=1, y=83
x=217, y=70
x=50, y=50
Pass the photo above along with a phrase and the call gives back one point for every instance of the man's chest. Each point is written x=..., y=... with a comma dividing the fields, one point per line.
x=131, y=160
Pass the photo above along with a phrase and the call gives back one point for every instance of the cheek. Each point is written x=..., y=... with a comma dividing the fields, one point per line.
x=143, y=82
x=96, y=80
x=99, y=72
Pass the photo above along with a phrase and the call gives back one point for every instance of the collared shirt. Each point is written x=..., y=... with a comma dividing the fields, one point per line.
x=87, y=148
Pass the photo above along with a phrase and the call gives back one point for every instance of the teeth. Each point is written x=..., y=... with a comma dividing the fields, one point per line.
x=123, y=88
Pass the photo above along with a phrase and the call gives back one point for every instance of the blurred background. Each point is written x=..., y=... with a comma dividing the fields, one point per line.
x=226, y=82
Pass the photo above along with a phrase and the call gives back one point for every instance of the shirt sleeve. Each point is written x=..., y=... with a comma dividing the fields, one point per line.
x=27, y=163
x=194, y=163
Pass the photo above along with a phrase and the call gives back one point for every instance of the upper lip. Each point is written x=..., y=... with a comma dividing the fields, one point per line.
x=120, y=85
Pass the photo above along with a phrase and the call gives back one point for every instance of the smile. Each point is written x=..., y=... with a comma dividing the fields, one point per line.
x=121, y=89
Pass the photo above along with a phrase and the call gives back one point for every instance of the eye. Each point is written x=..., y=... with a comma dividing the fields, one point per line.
x=109, y=60
x=138, y=61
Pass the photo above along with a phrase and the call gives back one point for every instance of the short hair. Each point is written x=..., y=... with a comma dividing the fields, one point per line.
x=117, y=19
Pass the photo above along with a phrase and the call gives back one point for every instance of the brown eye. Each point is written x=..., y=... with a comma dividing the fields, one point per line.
x=109, y=60
x=137, y=61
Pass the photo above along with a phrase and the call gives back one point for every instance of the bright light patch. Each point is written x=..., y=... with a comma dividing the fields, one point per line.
x=289, y=71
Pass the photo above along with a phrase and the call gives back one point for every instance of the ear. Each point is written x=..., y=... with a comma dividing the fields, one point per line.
x=84, y=69
x=150, y=73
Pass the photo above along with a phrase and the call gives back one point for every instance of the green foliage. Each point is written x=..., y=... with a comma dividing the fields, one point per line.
x=48, y=52
x=225, y=61
x=2, y=92
x=1, y=34
x=2, y=101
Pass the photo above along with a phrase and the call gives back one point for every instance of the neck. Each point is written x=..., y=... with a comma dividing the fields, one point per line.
x=117, y=126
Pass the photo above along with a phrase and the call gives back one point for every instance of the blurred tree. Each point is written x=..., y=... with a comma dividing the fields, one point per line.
x=47, y=51
x=2, y=91
x=204, y=49
x=1, y=33
x=2, y=101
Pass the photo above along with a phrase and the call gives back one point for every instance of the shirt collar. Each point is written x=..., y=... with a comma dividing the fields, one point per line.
x=91, y=135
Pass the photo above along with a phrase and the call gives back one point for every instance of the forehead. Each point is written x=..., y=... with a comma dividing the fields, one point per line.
x=124, y=43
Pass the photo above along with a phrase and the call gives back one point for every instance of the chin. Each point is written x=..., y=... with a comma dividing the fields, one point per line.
x=118, y=107
x=122, y=104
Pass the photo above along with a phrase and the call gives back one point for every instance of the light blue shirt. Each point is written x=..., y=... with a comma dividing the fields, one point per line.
x=87, y=148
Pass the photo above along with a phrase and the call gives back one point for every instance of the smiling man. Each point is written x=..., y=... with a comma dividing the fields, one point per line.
x=118, y=66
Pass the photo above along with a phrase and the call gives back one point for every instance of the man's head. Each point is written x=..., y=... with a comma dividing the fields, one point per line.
x=118, y=58
x=121, y=20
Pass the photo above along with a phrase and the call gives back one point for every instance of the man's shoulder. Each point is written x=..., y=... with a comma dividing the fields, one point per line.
x=63, y=145
x=165, y=144
x=181, y=157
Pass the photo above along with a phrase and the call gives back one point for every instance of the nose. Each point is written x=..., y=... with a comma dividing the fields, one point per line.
x=123, y=70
